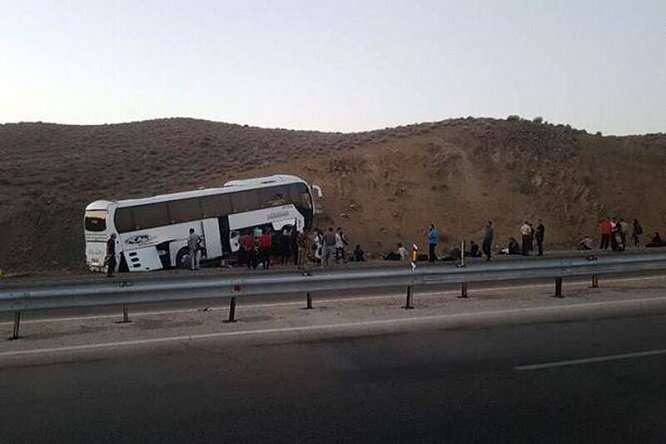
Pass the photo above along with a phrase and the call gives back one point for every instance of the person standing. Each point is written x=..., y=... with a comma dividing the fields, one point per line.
x=540, y=235
x=605, y=228
x=193, y=244
x=526, y=232
x=328, y=247
x=624, y=233
x=487, y=243
x=111, y=255
x=433, y=239
x=340, y=242
x=636, y=233
x=247, y=244
x=615, y=239
x=265, y=245
x=302, y=244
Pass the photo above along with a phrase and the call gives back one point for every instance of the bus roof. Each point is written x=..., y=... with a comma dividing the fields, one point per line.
x=229, y=187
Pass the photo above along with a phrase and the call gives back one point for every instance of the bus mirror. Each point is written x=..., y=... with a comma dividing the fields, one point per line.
x=317, y=188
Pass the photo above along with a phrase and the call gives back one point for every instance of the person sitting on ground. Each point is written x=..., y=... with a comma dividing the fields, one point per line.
x=474, y=250
x=402, y=252
x=514, y=246
x=359, y=254
x=454, y=255
x=656, y=241
x=587, y=243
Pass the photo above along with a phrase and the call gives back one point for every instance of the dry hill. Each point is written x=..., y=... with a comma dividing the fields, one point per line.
x=384, y=186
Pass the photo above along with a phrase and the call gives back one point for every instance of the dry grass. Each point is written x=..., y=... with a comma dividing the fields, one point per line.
x=456, y=173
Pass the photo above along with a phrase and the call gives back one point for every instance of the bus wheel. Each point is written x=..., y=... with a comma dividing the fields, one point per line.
x=183, y=258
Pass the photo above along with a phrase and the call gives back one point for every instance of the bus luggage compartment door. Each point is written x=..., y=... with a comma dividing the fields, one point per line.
x=212, y=239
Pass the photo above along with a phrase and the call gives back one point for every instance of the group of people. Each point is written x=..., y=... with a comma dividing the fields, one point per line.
x=615, y=235
x=330, y=245
x=266, y=247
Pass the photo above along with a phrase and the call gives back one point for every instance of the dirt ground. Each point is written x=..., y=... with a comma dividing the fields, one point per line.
x=382, y=186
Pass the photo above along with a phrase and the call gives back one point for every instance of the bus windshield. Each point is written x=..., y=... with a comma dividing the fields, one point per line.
x=95, y=220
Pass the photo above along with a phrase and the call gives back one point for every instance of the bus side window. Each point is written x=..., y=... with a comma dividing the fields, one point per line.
x=152, y=215
x=184, y=210
x=273, y=196
x=216, y=205
x=124, y=220
x=244, y=201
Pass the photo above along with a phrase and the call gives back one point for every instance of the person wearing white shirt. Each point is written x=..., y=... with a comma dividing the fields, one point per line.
x=525, y=232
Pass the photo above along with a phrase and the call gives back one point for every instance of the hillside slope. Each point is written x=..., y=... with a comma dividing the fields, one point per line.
x=384, y=186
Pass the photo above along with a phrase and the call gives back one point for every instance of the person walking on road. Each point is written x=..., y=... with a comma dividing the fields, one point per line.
x=539, y=236
x=487, y=243
x=110, y=258
x=193, y=244
x=636, y=233
x=433, y=239
x=526, y=232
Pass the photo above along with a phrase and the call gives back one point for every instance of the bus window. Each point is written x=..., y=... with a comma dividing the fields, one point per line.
x=244, y=201
x=216, y=205
x=184, y=210
x=124, y=220
x=95, y=220
x=273, y=196
x=300, y=195
x=152, y=215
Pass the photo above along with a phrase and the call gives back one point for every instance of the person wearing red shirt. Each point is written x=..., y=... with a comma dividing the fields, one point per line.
x=265, y=244
x=605, y=227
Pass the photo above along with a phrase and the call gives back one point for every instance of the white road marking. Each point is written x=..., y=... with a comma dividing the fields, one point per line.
x=319, y=301
x=89, y=347
x=590, y=360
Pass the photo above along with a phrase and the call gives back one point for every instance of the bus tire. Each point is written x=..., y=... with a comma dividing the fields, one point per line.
x=183, y=258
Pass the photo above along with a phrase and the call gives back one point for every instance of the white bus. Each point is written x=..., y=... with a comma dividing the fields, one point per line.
x=152, y=232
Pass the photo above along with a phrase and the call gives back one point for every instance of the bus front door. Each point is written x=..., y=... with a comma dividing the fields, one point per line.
x=212, y=239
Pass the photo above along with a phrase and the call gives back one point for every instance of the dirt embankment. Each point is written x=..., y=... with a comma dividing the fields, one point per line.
x=383, y=186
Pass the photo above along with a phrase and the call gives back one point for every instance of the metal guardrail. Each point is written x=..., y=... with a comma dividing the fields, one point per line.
x=127, y=291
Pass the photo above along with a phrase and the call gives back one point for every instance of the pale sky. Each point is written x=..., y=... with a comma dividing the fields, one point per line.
x=335, y=65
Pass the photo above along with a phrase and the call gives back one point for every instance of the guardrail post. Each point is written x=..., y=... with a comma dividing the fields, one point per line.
x=17, y=323
x=410, y=296
x=595, y=281
x=308, y=297
x=232, y=310
x=126, y=314
x=463, y=290
x=558, y=287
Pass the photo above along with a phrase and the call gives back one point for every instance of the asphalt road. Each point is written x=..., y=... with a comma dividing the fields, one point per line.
x=426, y=385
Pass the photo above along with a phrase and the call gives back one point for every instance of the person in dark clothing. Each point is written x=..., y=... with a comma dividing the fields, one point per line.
x=656, y=242
x=513, y=247
x=111, y=255
x=636, y=233
x=487, y=243
x=359, y=254
x=539, y=236
x=474, y=250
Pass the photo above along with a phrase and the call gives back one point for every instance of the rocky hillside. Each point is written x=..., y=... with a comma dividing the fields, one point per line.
x=384, y=186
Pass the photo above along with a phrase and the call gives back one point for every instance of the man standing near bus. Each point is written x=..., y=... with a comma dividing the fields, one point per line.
x=193, y=242
x=111, y=255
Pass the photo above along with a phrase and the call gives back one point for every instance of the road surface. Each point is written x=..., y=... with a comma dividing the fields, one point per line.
x=596, y=376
